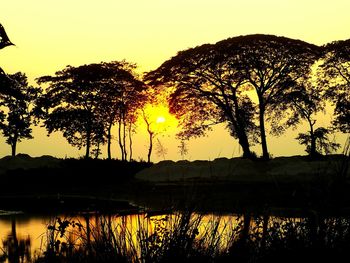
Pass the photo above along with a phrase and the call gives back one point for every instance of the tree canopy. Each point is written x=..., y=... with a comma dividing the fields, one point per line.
x=18, y=118
x=211, y=83
x=83, y=102
x=335, y=76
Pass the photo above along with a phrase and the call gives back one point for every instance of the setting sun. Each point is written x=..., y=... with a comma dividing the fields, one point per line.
x=160, y=119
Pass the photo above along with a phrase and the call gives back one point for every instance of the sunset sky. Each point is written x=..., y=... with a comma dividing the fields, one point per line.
x=52, y=34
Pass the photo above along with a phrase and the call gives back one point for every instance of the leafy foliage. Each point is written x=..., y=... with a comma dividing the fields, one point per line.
x=322, y=142
x=19, y=116
x=271, y=66
x=211, y=83
x=335, y=76
x=84, y=102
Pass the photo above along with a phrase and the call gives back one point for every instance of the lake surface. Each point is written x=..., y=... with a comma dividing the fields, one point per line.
x=29, y=234
x=24, y=236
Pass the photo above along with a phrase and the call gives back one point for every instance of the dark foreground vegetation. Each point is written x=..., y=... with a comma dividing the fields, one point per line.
x=271, y=221
x=191, y=237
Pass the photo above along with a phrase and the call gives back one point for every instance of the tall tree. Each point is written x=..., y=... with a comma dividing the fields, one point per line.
x=204, y=91
x=122, y=96
x=335, y=76
x=84, y=102
x=211, y=82
x=19, y=115
x=304, y=103
x=271, y=66
x=151, y=134
x=71, y=104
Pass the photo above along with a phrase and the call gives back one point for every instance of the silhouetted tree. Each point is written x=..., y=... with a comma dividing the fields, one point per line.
x=84, y=102
x=204, y=92
x=151, y=134
x=318, y=139
x=211, y=82
x=272, y=66
x=153, y=99
x=303, y=103
x=335, y=76
x=19, y=116
x=122, y=97
x=71, y=104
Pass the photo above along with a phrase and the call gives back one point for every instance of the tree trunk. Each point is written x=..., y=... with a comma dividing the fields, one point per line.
x=109, y=141
x=88, y=142
x=124, y=139
x=265, y=153
x=130, y=142
x=313, y=152
x=243, y=141
x=240, y=131
x=120, y=139
x=97, y=153
x=13, y=147
x=150, y=148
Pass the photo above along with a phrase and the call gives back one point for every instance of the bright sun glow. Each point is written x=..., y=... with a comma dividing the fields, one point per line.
x=160, y=119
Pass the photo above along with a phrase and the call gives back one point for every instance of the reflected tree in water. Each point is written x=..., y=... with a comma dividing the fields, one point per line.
x=16, y=250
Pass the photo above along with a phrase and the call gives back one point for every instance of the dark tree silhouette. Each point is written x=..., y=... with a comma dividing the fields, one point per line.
x=211, y=82
x=71, y=105
x=335, y=76
x=318, y=139
x=271, y=66
x=19, y=115
x=152, y=99
x=305, y=102
x=84, y=102
x=151, y=134
x=206, y=92
x=123, y=95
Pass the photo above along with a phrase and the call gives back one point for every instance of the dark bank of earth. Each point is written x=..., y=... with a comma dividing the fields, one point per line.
x=223, y=185
x=52, y=185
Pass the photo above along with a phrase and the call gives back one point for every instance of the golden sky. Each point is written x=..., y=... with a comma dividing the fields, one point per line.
x=52, y=34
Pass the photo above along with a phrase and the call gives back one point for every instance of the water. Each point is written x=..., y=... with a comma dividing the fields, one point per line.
x=31, y=231
x=24, y=237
